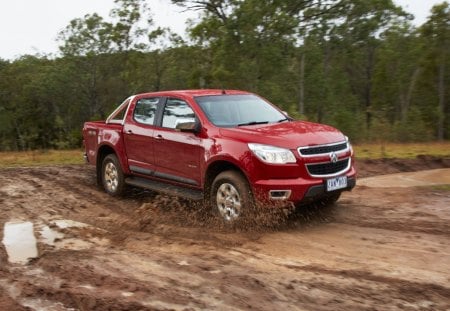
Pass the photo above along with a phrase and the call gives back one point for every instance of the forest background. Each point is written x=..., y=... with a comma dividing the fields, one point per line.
x=359, y=65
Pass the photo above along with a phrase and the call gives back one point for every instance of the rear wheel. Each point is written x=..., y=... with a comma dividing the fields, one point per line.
x=112, y=176
x=231, y=198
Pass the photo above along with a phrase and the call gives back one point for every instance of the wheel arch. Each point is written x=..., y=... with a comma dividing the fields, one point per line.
x=102, y=153
x=217, y=167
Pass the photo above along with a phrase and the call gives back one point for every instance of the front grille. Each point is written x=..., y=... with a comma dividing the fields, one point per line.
x=323, y=169
x=309, y=151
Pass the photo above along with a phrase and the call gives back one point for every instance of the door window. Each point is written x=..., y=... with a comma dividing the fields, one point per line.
x=177, y=111
x=145, y=110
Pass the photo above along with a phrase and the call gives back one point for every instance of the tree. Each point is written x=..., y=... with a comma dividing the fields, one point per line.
x=133, y=19
x=251, y=44
x=399, y=57
x=86, y=36
x=355, y=64
x=358, y=39
x=436, y=34
x=100, y=53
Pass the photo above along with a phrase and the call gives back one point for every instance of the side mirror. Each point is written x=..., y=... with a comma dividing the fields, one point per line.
x=189, y=126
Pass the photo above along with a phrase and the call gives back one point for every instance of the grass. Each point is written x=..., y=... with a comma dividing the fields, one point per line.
x=402, y=151
x=445, y=188
x=41, y=157
x=362, y=151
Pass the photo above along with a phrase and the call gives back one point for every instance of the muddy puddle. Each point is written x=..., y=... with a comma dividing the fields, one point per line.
x=21, y=238
x=19, y=241
x=49, y=236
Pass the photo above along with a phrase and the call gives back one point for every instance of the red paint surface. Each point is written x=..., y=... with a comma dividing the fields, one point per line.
x=188, y=155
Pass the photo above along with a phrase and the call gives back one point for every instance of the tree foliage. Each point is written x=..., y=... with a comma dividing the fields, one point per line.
x=358, y=65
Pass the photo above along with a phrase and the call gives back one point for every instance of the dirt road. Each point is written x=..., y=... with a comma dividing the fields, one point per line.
x=382, y=247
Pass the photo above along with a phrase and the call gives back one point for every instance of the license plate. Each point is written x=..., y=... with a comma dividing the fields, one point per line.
x=337, y=183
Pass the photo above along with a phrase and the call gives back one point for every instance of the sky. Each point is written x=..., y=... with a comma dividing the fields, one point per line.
x=32, y=26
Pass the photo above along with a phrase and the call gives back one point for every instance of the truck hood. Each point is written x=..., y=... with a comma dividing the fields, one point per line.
x=289, y=135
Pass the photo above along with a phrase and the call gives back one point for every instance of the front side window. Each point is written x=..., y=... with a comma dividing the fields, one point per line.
x=177, y=111
x=145, y=110
x=238, y=110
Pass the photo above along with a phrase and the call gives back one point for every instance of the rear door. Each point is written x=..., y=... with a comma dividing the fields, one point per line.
x=177, y=154
x=138, y=135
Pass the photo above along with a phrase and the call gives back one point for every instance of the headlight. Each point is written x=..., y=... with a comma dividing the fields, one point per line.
x=271, y=154
x=349, y=145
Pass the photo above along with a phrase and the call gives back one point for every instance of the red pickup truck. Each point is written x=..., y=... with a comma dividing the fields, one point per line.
x=231, y=148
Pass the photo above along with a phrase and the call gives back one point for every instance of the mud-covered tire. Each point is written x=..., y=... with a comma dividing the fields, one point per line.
x=231, y=198
x=113, y=179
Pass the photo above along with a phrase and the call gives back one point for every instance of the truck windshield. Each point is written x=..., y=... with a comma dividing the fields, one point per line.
x=238, y=110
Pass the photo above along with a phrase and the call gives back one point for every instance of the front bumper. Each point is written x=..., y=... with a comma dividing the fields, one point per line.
x=301, y=190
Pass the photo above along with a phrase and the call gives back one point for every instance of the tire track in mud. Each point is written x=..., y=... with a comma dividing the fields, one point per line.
x=156, y=259
x=82, y=196
x=395, y=288
x=190, y=284
x=417, y=226
x=131, y=212
x=323, y=288
x=168, y=218
x=416, y=210
x=96, y=283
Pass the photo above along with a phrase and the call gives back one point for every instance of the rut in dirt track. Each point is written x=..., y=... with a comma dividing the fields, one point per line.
x=378, y=248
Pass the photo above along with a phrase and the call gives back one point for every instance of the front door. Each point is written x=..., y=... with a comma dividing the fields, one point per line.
x=177, y=154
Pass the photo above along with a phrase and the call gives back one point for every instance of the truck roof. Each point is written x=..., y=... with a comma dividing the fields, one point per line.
x=194, y=93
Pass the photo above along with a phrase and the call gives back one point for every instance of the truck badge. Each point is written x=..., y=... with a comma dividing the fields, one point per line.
x=333, y=157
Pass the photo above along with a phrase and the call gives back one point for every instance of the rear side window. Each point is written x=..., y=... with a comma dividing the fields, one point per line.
x=177, y=111
x=145, y=110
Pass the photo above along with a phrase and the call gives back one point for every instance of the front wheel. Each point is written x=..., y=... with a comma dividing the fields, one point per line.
x=231, y=198
x=112, y=176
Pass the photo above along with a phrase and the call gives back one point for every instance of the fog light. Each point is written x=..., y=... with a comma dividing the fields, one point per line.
x=279, y=194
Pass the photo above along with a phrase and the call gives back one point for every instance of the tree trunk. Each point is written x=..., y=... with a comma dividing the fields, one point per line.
x=368, y=86
x=407, y=103
x=322, y=108
x=441, y=110
x=301, y=103
x=20, y=145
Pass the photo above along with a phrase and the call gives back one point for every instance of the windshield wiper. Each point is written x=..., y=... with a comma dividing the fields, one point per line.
x=253, y=123
x=282, y=120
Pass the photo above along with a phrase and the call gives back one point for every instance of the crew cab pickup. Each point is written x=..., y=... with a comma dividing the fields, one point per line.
x=233, y=149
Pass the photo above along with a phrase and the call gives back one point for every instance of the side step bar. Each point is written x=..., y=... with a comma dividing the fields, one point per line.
x=158, y=186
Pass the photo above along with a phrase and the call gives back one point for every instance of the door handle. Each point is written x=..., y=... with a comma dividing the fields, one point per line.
x=158, y=137
x=128, y=132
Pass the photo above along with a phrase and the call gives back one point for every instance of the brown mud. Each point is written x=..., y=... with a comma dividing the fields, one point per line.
x=381, y=247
